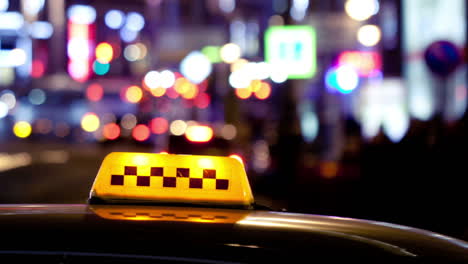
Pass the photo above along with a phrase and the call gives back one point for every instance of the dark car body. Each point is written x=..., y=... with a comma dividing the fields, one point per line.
x=161, y=234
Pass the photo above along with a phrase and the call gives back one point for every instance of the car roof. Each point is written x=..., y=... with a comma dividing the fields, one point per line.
x=215, y=234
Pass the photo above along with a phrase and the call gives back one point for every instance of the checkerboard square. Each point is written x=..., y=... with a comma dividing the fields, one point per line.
x=210, y=174
x=117, y=180
x=143, y=181
x=130, y=170
x=169, y=182
x=157, y=171
x=196, y=183
x=183, y=172
x=222, y=184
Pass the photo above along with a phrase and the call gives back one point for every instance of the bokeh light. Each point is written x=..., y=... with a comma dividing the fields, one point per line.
x=361, y=9
x=243, y=93
x=18, y=57
x=129, y=121
x=114, y=19
x=82, y=14
x=111, y=131
x=128, y=35
x=202, y=101
x=3, y=109
x=37, y=96
x=264, y=91
x=90, y=122
x=178, y=127
x=167, y=79
x=104, y=52
x=94, y=92
x=133, y=94
x=228, y=132
x=159, y=125
x=37, y=69
x=230, y=52
x=196, y=67
x=369, y=35
x=9, y=98
x=152, y=79
x=134, y=22
x=158, y=92
x=101, y=68
x=199, y=133
x=343, y=79
x=22, y=129
x=141, y=132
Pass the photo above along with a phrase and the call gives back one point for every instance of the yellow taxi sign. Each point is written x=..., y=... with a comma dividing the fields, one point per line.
x=168, y=178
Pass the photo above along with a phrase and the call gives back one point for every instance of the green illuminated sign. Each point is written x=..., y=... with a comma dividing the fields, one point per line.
x=293, y=49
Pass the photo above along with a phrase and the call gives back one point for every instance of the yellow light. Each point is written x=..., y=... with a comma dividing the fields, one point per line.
x=178, y=127
x=191, y=93
x=264, y=91
x=172, y=178
x=158, y=92
x=255, y=85
x=243, y=93
x=230, y=52
x=369, y=35
x=22, y=129
x=133, y=94
x=182, y=85
x=238, y=64
x=90, y=122
x=104, y=52
x=199, y=133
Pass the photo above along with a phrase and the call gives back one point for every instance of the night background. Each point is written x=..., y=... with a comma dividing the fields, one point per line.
x=353, y=108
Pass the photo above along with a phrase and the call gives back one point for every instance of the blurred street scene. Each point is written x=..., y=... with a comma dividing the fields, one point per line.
x=354, y=108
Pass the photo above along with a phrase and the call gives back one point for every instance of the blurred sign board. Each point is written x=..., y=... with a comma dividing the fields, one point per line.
x=293, y=48
x=335, y=31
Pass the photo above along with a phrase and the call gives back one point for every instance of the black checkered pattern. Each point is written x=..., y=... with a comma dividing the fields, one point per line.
x=170, y=181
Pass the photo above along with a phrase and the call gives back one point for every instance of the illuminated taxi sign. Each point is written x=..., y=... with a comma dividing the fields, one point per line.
x=146, y=177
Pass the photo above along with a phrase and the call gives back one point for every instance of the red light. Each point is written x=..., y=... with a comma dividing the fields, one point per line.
x=159, y=125
x=38, y=69
x=198, y=133
x=367, y=63
x=111, y=131
x=237, y=157
x=172, y=93
x=202, y=101
x=141, y=132
x=94, y=92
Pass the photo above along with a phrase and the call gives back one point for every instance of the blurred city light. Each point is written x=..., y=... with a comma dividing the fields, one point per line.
x=158, y=92
x=111, y=131
x=227, y=6
x=239, y=79
x=202, y=100
x=33, y=7
x=129, y=121
x=90, y=122
x=104, y=52
x=278, y=74
x=261, y=155
x=22, y=129
x=133, y=94
x=369, y=35
x=299, y=9
x=141, y=132
x=243, y=93
x=62, y=129
x=212, y=53
x=238, y=64
x=264, y=91
x=3, y=109
x=309, y=122
x=101, y=68
x=134, y=22
x=114, y=19
x=230, y=52
x=343, y=79
x=11, y=21
x=38, y=69
x=94, y=92
x=178, y=127
x=37, y=96
x=199, y=133
x=9, y=98
x=167, y=79
x=228, y=132
x=128, y=35
x=4, y=5
x=196, y=67
x=361, y=9
x=41, y=30
x=159, y=125
x=191, y=92
x=7, y=75
x=82, y=14
x=134, y=52
x=367, y=63
x=12, y=58
x=152, y=79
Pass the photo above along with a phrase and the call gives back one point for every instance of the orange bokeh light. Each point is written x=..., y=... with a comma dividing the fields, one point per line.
x=197, y=133
x=141, y=132
x=111, y=131
x=159, y=125
x=243, y=93
x=133, y=94
x=94, y=92
x=264, y=91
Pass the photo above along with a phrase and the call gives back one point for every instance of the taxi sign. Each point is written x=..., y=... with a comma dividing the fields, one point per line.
x=167, y=178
